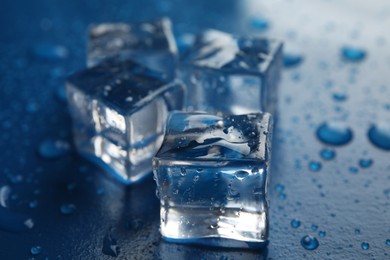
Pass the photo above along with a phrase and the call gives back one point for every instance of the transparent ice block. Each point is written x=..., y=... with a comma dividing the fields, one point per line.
x=149, y=43
x=119, y=110
x=212, y=177
x=230, y=75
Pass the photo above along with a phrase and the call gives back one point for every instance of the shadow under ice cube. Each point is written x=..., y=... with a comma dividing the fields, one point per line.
x=149, y=43
x=119, y=110
x=230, y=75
x=212, y=177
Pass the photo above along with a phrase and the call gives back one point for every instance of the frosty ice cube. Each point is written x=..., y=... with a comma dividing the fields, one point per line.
x=212, y=177
x=149, y=43
x=231, y=75
x=119, y=110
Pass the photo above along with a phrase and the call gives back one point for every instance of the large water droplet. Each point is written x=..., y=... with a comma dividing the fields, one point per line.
x=53, y=149
x=35, y=250
x=292, y=60
x=309, y=242
x=334, y=133
x=353, y=54
x=379, y=135
x=327, y=154
x=315, y=166
x=67, y=209
x=110, y=246
x=365, y=246
x=365, y=163
x=295, y=223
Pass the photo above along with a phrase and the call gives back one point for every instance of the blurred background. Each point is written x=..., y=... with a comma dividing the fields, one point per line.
x=331, y=167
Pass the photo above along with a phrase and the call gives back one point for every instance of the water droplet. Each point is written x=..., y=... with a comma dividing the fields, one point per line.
x=365, y=163
x=365, y=246
x=334, y=133
x=33, y=204
x=110, y=245
x=47, y=51
x=379, y=135
x=388, y=242
x=53, y=149
x=353, y=170
x=279, y=187
x=322, y=233
x=292, y=60
x=35, y=250
x=314, y=227
x=315, y=166
x=282, y=196
x=5, y=191
x=357, y=231
x=259, y=23
x=339, y=97
x=183, y=171
x=309, y=242
x=295, y=223
x=327, y=154
x=241, y=174
x=68, y=209
x=353, y=54
x=129, y=99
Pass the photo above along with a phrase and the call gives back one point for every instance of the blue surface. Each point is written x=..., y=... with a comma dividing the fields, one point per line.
x=348, y=202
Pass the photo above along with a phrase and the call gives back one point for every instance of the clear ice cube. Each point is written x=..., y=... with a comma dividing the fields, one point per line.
x=119, y=111
x=151, y=44
x=230, y=75
x=212, y=177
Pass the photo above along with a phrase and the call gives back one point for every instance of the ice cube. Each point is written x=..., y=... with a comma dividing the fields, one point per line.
x=119, y=110
x=212, y=177
x=149, y=43
x=231, y=75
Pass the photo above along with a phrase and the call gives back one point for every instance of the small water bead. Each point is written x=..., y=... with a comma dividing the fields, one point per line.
x=365, y=163
x=295, y=223
x=322, y=233
x=365, y=246
x=33, y=204
x=339, y=97
x=379, y=135
x=292, y=60
x=315, y=166
x=357, y=231
x=353, y=170
x=327, y=154
x=68, y=209
x=48, y=51
x=241, y=175
x=388, y=242
x=259, y=23
x=35, y=250
x=353, y=54
x=183, y=171
x=53, y=149
x=334, y=133
x=314, y=227
x=309, y=243
x=279, y=187
x=282, y=196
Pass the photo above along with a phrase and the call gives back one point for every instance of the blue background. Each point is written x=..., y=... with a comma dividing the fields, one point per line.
x=351, y=207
